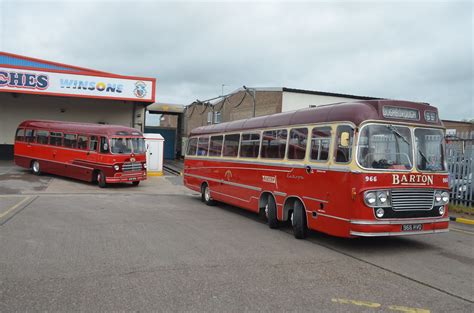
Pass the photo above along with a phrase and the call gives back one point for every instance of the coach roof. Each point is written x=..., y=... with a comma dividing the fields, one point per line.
x=81, y=128
x=355, y=112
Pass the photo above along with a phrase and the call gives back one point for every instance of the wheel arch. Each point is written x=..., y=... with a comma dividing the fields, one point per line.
x=290, y=204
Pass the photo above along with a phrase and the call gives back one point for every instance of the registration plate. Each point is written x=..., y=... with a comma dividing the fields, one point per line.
x=412, y=227
x=132, y=178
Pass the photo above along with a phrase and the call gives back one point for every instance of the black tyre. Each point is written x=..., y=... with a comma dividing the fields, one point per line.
x=298, y=221
x=206, y=195
x=35, y=168
x=271, y=213
x=101, y=179
x=136, y=183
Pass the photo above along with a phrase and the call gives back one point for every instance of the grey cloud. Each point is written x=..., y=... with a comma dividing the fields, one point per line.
x=420, y=52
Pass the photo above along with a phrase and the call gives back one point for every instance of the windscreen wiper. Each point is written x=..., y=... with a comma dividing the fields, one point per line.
x=406, y=140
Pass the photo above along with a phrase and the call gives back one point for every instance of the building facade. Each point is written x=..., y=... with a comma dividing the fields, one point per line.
x=38, y=89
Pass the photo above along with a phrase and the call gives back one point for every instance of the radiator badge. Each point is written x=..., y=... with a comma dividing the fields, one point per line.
x=412, y=179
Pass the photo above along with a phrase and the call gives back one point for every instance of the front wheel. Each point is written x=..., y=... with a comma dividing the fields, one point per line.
x=298, y=221
x=206, y=195
x=35, y=168
x=101, y=179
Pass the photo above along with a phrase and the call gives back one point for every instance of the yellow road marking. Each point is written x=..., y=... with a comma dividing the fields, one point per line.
x=461, y=231
x=357, y=302
x=15, y=206
x=464, y=220
x=407, y=309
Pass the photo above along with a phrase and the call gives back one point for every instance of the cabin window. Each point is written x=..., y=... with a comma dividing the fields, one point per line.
x=56, y=139
x=70, y=140
x=29, y=135
x=82, y=142
x=215, y=148
x=93, y=143
x=231, y=145
x=274, y=144
x=192, y=146
x=104, y=145
x=20, y=134
x=343, y=149
x=297, y=143
x=42, y=137
x=203, y=146
x=320, y=143
x=250, y=145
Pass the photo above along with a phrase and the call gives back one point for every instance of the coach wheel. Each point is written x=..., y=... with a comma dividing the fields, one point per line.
x=271, y=213
x=298, y=221
x=136, y=183
x=35, y=168
x=101, y=179
x=206, y=195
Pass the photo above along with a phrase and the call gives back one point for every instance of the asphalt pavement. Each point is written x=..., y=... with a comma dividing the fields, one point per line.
x=70, y=246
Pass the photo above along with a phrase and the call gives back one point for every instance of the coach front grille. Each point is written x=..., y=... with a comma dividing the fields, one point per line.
x=412, y=199
x=129, y=167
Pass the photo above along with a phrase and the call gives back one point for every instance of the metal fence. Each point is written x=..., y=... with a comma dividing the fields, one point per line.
x=459, y=156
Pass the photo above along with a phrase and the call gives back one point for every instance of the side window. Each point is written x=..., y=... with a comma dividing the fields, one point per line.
x=82, y=142
x=274, y=144
x=203, y=146
x=250, y=145
x=104, y=145
x=29, y=135
x=320, y=143
x=231, y=145
x=20, y=134
x=70, y=140
x=343, y=149
x=297, y=143
x=192, y=146
x=42, y=137
x=56, y=139
x=93, y=143
x=215, y=148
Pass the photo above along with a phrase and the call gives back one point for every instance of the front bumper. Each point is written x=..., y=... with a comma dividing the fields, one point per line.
x=370, y=228
x=126, y=178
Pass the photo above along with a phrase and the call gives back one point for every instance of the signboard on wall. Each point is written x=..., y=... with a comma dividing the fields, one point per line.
x=68, y=84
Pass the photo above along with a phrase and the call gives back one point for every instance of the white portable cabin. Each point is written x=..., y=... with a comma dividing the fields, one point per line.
x=154, y=154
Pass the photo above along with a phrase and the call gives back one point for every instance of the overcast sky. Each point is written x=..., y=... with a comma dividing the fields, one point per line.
x=400, y=50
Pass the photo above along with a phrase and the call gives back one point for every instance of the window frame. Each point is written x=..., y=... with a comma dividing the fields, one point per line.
x=208, y=143
x=286, y=143
x=188, y=146
x=222, y=146
x=331, y=141
x=238, y=145
x=306, y=146
x=354, y=144
x=257, y=132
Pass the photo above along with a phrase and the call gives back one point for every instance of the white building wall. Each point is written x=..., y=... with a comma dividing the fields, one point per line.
x=14, y=110
x=294, y=101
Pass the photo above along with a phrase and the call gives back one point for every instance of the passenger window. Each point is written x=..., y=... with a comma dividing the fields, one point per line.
x=29, y=135
x=56, y=139
x=192, y=146
x=42, y=137
x=250, y=145
x=70, y=140
x=104, y=145
x=274, y=144
x=20, y=134
x=297, y=143
x=231, y=145
x=203, y=146
x=344, y=138
x=320, y=143
x=82, y=142
x=215, y=148
x=93, y=143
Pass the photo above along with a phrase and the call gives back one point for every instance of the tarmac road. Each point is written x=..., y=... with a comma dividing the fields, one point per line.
x=158, y=248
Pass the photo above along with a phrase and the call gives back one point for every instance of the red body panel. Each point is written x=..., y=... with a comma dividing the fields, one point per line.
x=333, y=199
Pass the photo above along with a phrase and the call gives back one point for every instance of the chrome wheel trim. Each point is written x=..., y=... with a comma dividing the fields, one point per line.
x=207, y=194
x=292, y=220
x=36, y=166
x=266, y=210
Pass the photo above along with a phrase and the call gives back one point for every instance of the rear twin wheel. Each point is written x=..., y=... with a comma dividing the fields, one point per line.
x=298, y=221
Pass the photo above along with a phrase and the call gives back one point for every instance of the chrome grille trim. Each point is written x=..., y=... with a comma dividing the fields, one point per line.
x=412, y=199
x=129, y=167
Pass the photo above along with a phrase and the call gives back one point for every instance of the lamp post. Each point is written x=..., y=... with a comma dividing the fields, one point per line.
x=251, y=91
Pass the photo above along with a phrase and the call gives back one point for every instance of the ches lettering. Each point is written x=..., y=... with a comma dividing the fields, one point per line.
x=412, y=179
x=23, y=80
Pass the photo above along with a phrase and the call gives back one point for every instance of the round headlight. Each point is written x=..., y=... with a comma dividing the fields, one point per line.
x=441, y=210
x=382, y=197
x=379, y=213
x=370, y=198
x=438, y=197
x=116, y=167
x=144, y=165
x=445, y=197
